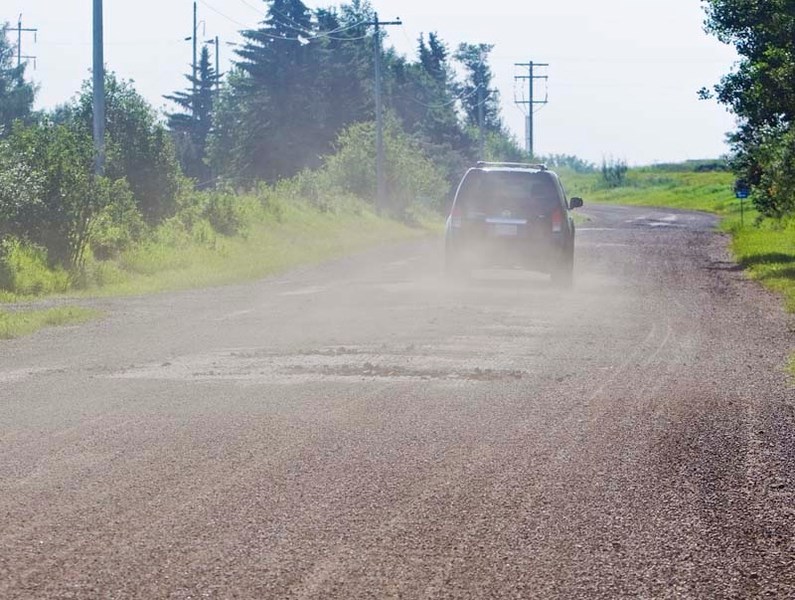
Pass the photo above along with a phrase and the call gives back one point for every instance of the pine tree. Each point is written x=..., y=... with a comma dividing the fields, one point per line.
x=474, y=58
x=192, y=127
x=276, y=62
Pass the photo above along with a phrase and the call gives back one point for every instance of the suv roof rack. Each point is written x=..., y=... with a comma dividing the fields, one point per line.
x=514, y=165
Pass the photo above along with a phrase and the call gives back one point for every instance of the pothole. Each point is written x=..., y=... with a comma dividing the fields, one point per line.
x=343, y=363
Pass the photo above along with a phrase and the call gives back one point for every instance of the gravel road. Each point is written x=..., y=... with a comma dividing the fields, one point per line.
x=360, y=429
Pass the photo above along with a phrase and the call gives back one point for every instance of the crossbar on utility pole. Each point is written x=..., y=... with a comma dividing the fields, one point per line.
x=531, y=102
x=99, y=90
x=20, y=31
x=379, y=116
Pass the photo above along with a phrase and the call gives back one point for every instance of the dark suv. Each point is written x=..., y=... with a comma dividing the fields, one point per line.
x=511, y=215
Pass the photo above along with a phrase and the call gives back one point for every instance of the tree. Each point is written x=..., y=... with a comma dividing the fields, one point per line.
x=276, y=61
x=16, y=94
x=191, y=128
x=301, y=78
x=761, y=93
x=139, y=147
x=476, y=88
x=48, y=193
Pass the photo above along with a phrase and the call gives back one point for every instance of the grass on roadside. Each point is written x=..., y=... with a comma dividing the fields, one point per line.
x=20, y=323
x=767, y=251
x=707, y=191
x=301, y=237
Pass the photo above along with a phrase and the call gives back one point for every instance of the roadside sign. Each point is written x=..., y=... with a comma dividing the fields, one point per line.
x=741, y=190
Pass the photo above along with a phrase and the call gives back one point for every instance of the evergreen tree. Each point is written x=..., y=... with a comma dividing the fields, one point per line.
x=302, y=77
x=474, y=59
x=16, y=94
x=191, y=127
x=276, y=61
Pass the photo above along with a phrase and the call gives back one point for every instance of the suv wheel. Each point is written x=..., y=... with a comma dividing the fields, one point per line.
x=563, y=273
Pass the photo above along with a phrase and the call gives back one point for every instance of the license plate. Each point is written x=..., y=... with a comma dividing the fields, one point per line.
x=503, y=230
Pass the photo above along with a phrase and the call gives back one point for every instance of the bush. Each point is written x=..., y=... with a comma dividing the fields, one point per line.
x=139, y=148
x=411, y=176
x=614, y=172
x=53, y=199
x=24, y=270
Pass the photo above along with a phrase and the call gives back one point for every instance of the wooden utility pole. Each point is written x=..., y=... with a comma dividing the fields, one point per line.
x=531, y=102
x=20, y=31
x=99, y=90
x=381, y=200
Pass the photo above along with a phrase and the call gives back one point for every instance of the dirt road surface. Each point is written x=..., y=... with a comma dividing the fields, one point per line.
x=361, y=430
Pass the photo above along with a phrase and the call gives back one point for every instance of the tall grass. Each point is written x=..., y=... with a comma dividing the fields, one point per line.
x=21, y=323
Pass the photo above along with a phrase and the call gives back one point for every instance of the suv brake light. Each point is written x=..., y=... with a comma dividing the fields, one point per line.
x=456, y=217
x=557, y=221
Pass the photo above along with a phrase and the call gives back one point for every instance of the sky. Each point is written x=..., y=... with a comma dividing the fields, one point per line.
x=623, y=74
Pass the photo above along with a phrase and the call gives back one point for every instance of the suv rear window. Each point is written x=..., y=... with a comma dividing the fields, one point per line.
x=494, y=193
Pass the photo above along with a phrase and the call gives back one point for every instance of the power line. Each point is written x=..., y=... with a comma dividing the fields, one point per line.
x=225, y=16
x=307, y=36
x=461, y=97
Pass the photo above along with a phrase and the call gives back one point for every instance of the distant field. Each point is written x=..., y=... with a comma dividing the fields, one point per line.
x=709, y=192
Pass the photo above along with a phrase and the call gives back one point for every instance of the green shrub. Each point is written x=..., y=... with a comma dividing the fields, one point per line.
x=24, y=270
x=56, y=204
x=614, y=172
x=139, y=148
x=410, y=174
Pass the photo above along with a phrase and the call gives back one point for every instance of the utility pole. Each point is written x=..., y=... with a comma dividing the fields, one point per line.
x=481, y=119
x=99, y=90
x=215, y=42
x=195, y=72
x=20, y=30
x=379, y=116
x=531, y=102
x=217, y=64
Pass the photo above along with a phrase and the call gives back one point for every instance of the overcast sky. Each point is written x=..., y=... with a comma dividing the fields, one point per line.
x=623, y=74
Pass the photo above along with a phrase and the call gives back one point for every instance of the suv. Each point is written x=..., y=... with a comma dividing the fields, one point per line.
x=509, y=215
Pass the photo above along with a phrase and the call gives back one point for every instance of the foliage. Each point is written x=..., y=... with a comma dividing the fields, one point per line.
x=55, y=202
x=291, y=96
x=476, y=92
x=306, y=75
x=139, y=147
x=24, y=270
x=568, y=161
x=19, y=323
x=614, y=172
x=761, y=93
x=16, y=94
x=411, y=176
x=191, y=128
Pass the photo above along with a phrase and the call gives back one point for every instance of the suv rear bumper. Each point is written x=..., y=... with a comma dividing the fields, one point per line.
x=542, y=255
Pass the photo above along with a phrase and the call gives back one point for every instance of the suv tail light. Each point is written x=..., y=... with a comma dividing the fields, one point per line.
x=456, y=217
x=557, y=221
